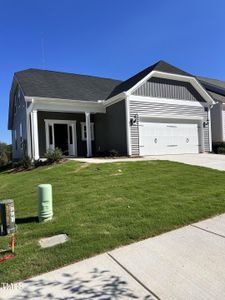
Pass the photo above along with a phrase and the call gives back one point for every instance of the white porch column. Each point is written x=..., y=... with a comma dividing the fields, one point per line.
x=88, y=134
x=34, y=133
x=29, y=153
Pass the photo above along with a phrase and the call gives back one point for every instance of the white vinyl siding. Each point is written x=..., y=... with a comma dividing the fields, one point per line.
x=141, y=108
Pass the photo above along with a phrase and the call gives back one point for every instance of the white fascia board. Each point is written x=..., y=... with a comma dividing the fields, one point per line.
x=60, y=100
x=170, y=117
x=65, y=105
x=115, y=99
x=167, y=101
x=171, y=76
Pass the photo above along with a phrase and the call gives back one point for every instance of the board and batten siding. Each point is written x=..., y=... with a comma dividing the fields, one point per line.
x=167, y=88
x=142, y=108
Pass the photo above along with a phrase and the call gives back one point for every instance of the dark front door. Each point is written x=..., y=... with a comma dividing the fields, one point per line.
x=61, y=137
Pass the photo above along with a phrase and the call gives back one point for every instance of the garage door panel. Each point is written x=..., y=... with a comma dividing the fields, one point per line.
x=168, y=138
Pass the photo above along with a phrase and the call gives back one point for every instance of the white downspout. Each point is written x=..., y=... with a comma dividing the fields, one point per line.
x=127, y=108
x=88, y=134
x=210, y=128
x=34, y=130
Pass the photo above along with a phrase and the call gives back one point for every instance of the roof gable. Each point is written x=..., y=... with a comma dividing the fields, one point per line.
x=160, y=66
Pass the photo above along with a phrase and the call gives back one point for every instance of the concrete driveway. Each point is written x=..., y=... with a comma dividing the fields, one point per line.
x=187, y=263
x=213, y=161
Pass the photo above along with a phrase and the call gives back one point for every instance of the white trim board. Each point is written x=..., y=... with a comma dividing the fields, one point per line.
x=168, y=101
x=73, y=106
x=169, y=117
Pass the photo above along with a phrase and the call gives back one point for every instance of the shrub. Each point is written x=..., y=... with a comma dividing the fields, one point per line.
x=114, y=153
x=216, y=146
x=26, y=162
x=221, y=150
x=5, y=154
x=3, y=159
x=37, y=163
x=54, y=155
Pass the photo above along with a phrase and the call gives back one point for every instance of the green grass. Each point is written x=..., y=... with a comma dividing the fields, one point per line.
x=104, y=206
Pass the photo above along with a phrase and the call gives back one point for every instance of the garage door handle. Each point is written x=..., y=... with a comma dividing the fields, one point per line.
x=172, y=145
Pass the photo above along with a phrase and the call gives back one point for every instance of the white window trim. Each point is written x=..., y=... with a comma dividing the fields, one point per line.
x=83, y=124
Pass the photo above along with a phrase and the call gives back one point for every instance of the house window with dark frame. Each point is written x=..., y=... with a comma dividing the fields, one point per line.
x=15, y=140
x=84, y=131
x=15, y=103
x=18, y=97
x=21, y=136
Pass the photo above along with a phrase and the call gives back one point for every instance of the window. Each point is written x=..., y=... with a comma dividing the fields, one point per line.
x=15, y=140
x=21, y=136
x=18, y=97
x=84, y=131
x=15, y=103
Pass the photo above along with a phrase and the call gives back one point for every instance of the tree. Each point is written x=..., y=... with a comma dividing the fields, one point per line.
x=5, y=154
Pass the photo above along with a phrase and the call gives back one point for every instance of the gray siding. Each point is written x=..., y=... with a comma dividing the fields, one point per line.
x=111, y=129
x=79, y=117
x=217, y=117
x=19, y=117
x=171, y=89
x=160, y=109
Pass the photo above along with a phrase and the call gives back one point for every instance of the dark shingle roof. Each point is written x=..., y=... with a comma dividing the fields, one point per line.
x=161, y=66
x=50, y=84
x=42, y=83
x=214, y=85
x=211, y=81
x=216, y=96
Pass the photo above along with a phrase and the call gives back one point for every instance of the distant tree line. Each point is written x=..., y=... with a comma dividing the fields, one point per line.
x=5, y=154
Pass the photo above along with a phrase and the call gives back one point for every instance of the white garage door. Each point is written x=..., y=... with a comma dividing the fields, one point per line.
x=168, y=138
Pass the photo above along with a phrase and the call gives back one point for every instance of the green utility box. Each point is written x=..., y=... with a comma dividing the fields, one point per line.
x=45, y=211
x=7, y=217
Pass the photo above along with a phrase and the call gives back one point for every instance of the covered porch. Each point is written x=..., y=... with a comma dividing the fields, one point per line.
x=68, y=127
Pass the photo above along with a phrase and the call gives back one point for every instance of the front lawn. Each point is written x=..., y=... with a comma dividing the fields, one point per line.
x=103, y=206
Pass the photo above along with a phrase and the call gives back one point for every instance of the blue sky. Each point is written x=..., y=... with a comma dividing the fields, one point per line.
x=111, y=38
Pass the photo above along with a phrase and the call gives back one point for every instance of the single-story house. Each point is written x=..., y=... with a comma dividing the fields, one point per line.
x=160, y=110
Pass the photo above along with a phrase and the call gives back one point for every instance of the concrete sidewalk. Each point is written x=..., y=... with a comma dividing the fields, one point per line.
x=213, y=161
x=187, y=263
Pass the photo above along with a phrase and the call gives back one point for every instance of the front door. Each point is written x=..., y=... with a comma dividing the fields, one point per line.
x=61, y=134
x=61, y=138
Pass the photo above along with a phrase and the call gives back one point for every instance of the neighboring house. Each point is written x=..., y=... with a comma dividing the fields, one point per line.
x=160, y=110
x=216, y=88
